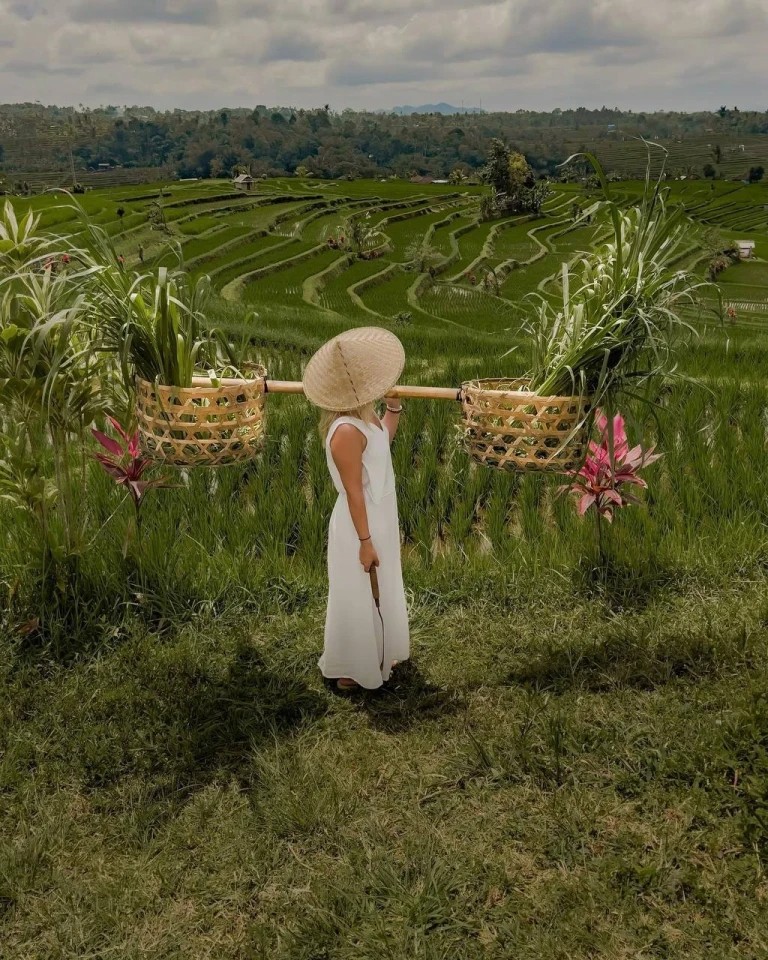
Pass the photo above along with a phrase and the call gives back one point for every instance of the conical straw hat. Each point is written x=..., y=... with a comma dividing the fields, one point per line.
x=355, y=368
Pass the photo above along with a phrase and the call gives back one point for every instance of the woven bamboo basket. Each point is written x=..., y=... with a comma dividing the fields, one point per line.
x=511, y=428
x=201, y=426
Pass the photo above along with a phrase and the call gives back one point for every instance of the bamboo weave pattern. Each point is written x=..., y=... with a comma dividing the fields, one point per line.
x=201, y=426
x=517, y=430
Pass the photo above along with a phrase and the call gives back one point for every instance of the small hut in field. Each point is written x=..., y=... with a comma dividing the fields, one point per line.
x=245, y=182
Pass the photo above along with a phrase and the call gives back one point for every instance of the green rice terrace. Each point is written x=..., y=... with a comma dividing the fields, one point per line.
x=574, y=762
x=273, y=249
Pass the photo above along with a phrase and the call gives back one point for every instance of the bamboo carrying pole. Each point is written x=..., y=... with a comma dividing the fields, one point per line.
x=398, y=391
x=216, y=421
x=296, y=386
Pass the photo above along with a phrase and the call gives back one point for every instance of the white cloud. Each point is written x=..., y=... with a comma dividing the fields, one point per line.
x=369, y=53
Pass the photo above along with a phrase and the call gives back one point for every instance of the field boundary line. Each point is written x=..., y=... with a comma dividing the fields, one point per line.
x=485, y=254
x=314, y=284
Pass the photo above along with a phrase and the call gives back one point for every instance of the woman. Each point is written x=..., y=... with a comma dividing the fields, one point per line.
x=345, y=378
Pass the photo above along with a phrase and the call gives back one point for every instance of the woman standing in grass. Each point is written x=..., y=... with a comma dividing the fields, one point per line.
x=345, y=378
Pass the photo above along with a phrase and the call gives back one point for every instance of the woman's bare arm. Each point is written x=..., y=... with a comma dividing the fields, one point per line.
x=391, y=421
x=347, y=446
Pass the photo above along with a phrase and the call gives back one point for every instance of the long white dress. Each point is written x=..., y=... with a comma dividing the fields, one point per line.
x=353, y=629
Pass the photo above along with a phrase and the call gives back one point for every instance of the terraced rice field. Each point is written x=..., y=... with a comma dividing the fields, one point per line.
x=335, y=293
x=271, y=248
x=574, y=762
x=391, y=295
x=468, y=307
x=627, y=153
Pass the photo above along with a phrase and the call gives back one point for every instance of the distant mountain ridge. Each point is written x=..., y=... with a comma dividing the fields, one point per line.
x=445, y=108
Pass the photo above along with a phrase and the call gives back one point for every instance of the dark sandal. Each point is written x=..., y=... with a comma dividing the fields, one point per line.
x=344, y=683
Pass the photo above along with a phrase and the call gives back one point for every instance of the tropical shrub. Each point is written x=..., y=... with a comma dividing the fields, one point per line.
x=51, y=373
x=513, y=184
x=620, y=315
x=600, y=484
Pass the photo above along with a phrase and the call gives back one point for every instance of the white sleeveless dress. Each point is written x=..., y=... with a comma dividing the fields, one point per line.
x=353, y=630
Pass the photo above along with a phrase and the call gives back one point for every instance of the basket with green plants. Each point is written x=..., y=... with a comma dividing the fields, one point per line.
x=187, y=417
x=612, y=334
x=188, y=412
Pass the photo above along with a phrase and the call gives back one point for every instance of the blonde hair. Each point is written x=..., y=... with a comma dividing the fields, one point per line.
x=329, y=417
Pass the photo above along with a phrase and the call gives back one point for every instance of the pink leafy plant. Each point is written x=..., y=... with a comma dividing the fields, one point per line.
x=609, y=470
x=125, y=464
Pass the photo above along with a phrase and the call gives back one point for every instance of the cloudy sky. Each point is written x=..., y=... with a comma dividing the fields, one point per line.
x=507, y=54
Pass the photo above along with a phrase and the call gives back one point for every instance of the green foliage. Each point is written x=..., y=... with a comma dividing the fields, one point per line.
x=50, y=375
x=23, y=482
x=361, y=233
x=152, y=323
x=572, y=764
x=621, y=312
x=422, y=254
x=514, y=187
x=20, y=240
x=334, y=145
x=159, y=331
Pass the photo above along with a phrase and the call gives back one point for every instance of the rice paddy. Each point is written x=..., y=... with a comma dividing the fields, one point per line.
x=573, y=765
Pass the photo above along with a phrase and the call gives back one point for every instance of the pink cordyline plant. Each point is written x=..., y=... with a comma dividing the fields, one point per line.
x=608, y=470
x=124, y=463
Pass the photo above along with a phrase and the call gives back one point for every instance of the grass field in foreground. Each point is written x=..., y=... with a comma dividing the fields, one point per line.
x=544, y=780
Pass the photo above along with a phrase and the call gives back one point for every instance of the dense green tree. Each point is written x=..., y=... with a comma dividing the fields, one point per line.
x=496, y=171
x=277, y=140
x=515, y=189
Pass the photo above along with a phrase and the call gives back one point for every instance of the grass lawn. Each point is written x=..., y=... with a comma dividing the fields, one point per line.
x=545, y=779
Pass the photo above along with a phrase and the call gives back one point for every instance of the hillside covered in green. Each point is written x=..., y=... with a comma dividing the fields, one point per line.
x=37, y=139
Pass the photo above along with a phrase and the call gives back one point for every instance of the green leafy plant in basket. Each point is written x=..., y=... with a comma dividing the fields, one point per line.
x=621, y=313
x=156, y=325
x=165, y=337
x=612, y=334
x=159, y=333
x=153, y=322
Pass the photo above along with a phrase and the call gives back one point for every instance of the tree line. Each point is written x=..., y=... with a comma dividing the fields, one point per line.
x=323, y=143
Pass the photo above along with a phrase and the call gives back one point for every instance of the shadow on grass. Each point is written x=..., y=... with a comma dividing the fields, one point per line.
x=176, y=723
x=635, y=661
x=226, y=720
x=622, y=585
x=405, y=701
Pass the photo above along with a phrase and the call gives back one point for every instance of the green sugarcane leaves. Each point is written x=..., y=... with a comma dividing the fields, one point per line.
x=621, y=304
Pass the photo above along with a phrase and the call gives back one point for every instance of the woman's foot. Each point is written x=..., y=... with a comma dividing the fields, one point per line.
x=346, y=683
